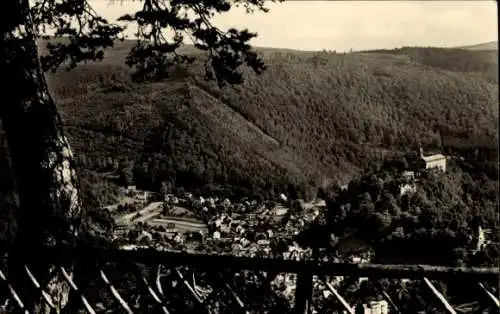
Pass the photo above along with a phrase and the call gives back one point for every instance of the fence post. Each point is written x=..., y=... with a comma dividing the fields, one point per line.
x=303, y=293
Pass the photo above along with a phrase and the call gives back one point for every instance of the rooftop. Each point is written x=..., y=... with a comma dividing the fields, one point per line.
x=433, y=157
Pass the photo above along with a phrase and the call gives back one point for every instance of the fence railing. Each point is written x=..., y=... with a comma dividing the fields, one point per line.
x=163, y=281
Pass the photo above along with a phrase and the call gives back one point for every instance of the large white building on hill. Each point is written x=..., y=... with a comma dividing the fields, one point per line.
x=434, y=161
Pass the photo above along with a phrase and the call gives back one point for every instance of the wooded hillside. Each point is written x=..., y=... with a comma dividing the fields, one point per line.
x=310, y=120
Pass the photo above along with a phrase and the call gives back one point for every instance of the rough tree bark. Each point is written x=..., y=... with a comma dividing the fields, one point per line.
x=49, y=203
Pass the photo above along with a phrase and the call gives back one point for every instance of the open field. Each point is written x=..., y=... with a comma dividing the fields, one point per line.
x=180, y=225
x=127, y=218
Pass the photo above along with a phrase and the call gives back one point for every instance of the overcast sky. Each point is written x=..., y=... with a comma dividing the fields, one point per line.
x=360, y=25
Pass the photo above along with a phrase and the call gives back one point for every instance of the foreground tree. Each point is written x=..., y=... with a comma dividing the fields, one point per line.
x=50, y=206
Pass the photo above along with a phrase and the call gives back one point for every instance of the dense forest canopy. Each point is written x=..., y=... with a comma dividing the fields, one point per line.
x=311, y=120
x=453, y=59
x=431, y=224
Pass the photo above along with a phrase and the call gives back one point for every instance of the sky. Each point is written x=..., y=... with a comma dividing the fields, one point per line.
x=356, y=25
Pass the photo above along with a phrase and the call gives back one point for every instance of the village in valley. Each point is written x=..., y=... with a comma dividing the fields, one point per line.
x=247, y=227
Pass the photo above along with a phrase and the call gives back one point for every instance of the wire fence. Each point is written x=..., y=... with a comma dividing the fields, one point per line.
x=151, y=281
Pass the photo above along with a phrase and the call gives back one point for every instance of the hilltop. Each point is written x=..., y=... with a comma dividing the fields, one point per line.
x=489, y=46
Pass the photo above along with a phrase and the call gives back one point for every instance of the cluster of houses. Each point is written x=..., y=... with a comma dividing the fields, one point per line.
x=409, y=185
x=211, y=204
x=236, y=223
x=251, y=234
x=373, y=307
x=138, y=195
x=240, y=231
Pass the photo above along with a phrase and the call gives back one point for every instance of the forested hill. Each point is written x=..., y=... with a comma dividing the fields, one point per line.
x=312, y=118
x=472, y=59
x=489, y=46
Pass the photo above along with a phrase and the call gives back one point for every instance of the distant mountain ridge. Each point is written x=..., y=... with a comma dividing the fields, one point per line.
x=489, y=46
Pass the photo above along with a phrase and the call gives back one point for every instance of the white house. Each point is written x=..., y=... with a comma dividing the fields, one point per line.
x=407, y=189
x=263, y=242
x=142, y=195
x=375, y=307
x=170, y=198
x=434, y=161
x=483, y=238
x=270, y=234
x=408, y=175
x=131, y=188
x=280, y=211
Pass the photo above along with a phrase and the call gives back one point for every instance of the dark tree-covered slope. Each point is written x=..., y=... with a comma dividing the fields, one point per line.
x=312, y=118
x=489, y=46
x=484, y=61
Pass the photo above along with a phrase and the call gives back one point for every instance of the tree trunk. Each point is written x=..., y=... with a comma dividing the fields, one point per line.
x=49, y=204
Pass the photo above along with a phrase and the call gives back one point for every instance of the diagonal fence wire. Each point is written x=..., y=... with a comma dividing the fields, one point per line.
x=349, y=309
x=226, y=286
x=115, y=293
x=236, y=298
x=446, y=305
x=37, y=285
x=13, y=293
x=73, y=286
x=188, y=286
x=388, y=298
x=490, y=295
x=159, y=275
x=150, y=290
x=159, y=297
x=155, y=295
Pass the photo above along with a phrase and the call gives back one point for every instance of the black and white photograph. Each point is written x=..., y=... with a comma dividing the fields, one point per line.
x=249, y=157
